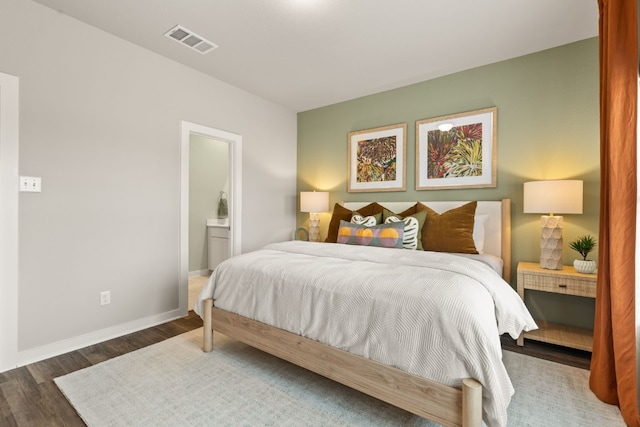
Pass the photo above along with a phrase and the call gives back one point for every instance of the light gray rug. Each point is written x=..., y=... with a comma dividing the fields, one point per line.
x=173, y=383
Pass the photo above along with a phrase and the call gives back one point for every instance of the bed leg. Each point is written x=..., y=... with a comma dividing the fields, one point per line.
x=207, y=337
x=471, y=403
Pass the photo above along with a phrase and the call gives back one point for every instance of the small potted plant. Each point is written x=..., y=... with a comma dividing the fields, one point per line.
x=583, y=245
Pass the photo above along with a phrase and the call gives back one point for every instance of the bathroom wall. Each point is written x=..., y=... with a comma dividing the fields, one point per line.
x=208, y=175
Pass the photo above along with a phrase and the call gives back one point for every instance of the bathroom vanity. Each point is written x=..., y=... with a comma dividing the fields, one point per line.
x=218, y=241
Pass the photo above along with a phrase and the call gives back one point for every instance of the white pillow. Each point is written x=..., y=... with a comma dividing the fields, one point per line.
x=478, y=231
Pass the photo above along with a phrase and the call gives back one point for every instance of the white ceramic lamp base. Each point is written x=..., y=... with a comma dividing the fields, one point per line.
x=314, y=227
x=551, y=242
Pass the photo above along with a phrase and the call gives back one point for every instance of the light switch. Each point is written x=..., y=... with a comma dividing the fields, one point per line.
x=31, y=184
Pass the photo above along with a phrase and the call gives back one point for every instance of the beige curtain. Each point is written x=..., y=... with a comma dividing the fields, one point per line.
x=613, y=364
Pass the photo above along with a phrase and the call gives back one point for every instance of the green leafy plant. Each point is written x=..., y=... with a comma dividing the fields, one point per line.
x=439, y=146
x=466, y=160
x=583, y=245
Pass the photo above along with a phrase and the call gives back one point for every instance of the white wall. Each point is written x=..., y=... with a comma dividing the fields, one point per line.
x=9, y=124
x=100, y=123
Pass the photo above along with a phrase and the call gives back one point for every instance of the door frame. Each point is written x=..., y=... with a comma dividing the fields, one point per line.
x=9, y=127
x=235, y=198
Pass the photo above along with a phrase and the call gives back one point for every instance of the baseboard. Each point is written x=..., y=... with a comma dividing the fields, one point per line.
x=60, y=347
x=199, y=273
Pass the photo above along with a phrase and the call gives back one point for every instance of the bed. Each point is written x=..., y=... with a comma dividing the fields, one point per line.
x=293, y=312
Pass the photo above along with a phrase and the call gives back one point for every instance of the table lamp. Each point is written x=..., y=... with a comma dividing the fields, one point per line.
x=552, y=197
x=314, y=202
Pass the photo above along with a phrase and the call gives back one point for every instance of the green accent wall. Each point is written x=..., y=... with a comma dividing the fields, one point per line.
x=548, y=128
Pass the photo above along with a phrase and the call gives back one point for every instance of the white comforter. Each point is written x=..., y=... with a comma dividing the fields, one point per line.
x=432, y=314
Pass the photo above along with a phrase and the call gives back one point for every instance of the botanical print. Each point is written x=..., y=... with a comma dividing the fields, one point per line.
x=455, y=153
x=464, y=156
x=376, y=159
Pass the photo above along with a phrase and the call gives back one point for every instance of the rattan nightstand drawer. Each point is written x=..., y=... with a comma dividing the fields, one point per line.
x=560, y=285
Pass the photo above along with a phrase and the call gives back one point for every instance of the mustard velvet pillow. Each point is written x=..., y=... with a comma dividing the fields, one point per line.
x=451, y=231
x=340, y=213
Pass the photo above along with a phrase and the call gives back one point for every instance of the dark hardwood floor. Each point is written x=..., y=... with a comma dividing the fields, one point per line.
x=554, y=353
x=30, y=398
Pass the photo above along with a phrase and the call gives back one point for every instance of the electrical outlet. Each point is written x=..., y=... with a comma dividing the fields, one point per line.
x=105, y=297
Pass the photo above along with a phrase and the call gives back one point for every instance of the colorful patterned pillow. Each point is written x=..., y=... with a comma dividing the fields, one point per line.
x=412, y=227
x=340, y=213
x=383, y=235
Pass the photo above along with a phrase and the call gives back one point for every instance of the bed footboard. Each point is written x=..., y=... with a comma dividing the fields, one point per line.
x=446, y=405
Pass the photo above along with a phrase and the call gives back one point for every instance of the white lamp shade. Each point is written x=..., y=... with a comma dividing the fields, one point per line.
x=314, y=201
x=553, y=196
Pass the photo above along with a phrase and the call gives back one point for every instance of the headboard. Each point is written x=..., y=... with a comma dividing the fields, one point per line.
x=497, y=226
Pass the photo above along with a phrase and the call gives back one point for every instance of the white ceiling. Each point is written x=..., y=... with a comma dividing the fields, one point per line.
x=304, y=54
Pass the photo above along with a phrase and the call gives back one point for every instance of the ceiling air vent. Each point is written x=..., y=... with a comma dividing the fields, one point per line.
x=190, y=39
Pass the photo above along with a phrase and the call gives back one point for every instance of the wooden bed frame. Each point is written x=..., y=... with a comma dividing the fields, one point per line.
x=449, y=406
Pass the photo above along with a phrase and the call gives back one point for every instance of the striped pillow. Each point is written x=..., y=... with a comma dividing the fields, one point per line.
x=412, y=227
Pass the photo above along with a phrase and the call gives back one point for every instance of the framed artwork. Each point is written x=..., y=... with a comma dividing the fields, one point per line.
x=457, y=151
x=376, y=159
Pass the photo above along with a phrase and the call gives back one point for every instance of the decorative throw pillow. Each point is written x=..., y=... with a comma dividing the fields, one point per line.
x=413, y=225
x=451, y=231
x=340, y=213
x=368, y=221
x=383, y=235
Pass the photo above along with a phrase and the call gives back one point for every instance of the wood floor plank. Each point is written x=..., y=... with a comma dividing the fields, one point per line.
x=11, y=375
x=98, y=353
x=554, y=353
x=57, y=407
x=107, y=350
x=47, y=370
x=22, y=396
x=6, y=416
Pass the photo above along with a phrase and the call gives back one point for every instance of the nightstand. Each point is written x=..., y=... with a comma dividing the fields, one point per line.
x=566, y=281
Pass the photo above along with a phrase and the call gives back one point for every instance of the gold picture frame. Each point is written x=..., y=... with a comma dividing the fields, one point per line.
x=457, y=150
x=376, y=159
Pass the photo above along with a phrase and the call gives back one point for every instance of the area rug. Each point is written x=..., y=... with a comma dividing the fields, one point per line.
x=173, y=383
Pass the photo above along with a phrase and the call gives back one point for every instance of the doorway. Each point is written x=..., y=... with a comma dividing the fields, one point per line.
x=234, y=197
x=8, y=222
x=208, y=198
